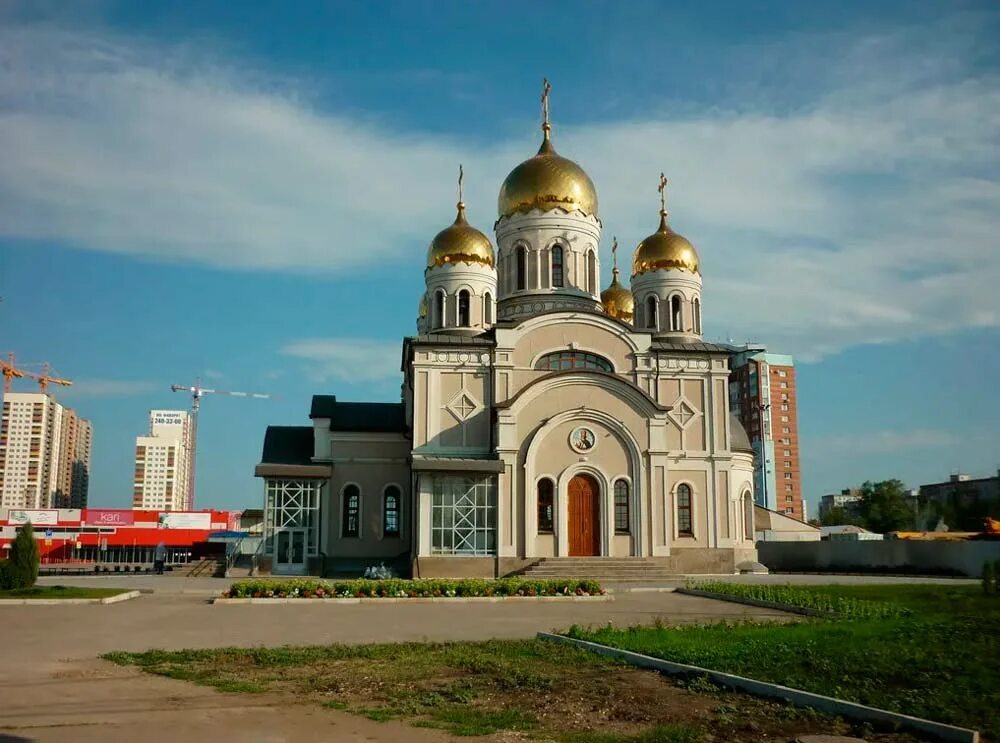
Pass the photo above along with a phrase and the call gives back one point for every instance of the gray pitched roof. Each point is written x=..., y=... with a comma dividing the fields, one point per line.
x=287, y=445
x=368, y=417
x=693, y=346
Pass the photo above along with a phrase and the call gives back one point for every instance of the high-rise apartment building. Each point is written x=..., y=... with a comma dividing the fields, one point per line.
x=762, y=392
x=44, y=453
x=162, y=463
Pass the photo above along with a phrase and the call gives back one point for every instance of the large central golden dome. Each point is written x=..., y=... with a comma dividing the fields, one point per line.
x=460, y=242
x=547, y=181
x=665, y=249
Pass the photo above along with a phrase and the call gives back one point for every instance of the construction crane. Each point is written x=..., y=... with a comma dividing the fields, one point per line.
x=46, y=378
x=10, y=371
x=197, y=392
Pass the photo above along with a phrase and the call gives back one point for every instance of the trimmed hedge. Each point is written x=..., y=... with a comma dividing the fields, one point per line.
x=420, y=588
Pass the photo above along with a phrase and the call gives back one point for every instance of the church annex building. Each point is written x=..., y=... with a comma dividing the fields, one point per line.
x=540, y=417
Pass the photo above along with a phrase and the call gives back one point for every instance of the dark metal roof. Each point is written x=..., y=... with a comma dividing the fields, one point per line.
x=368, y=417
x=661, y=344
x=288, y=445
x=446, y=339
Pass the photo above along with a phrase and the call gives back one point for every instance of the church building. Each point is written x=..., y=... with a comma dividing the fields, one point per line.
x=540, y=417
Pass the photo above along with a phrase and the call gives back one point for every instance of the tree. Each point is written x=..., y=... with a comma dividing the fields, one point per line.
x=884, y=507
x=838, y=516
x=22, y=568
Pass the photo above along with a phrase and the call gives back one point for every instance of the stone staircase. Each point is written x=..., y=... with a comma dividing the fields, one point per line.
x=206, y=567
x=609, y=569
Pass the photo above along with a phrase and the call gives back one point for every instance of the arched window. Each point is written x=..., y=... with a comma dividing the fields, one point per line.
x=748, y=527
x=390, y=511
x=685, y=523
x=439, y=309
x=560, y=360
x=521, y=266
x=557, y=266
x=651, y=312
x=675, y=313
x=697, y=315
x=463, y=308
x=487, y=309
x=351, y=522
x=591, y=272
x=545, y=506
x=621, y=507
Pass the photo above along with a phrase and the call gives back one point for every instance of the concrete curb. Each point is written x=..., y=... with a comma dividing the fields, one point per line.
x=798, y=697
x=759, y=603
x=422, y=600
x=118, y=597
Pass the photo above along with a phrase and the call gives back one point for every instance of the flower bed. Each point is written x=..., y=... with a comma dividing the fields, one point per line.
x=805, y=598
x=397, y=588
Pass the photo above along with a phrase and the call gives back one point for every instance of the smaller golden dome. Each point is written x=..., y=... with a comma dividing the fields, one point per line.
x=665, y=249
x=460, y=243
x=617, y=300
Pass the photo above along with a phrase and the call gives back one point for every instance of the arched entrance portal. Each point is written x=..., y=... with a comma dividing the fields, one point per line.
x=584, y=516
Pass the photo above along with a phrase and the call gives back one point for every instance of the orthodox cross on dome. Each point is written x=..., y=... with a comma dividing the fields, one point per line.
x=663, y=193
x=614, y=252
x=546, y=88
x=461, y=177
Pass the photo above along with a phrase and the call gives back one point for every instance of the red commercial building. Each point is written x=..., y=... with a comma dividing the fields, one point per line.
x=115, y=535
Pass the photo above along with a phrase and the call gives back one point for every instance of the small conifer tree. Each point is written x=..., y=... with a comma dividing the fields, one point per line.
x=24, y=559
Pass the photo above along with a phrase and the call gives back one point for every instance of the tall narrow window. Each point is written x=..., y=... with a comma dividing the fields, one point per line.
x=390, y=512
x=521, y=267
x=748, y=515
x=675, y=313
x=621, y=507
x=697, y=315
x=463, y=308
x=651, y=312
x=557, y=266
x=439, y=309
x=591, y=272
x=351, y=526
x=545, y=489
x=487, y=309
x=684, y=523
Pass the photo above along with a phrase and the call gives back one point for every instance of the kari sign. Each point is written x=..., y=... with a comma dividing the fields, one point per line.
x=36, y=517
x=108, y=517
x=185, y=520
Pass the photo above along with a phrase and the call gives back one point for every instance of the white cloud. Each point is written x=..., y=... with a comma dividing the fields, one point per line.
x=869, y=216
x=348, y=359
x=863, y=443
x=109, y=388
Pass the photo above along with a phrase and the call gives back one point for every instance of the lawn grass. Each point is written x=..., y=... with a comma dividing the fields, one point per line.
x=940, y=659
x=524, y=689
x=61, y=592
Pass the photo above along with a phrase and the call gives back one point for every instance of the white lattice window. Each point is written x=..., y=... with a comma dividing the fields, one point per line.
x=292, y=504
x=463, y=516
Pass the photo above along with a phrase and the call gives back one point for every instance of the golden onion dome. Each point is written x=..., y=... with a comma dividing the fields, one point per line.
x=547, y=181
x=460, y=243
x=617, y=300
x=665, y=249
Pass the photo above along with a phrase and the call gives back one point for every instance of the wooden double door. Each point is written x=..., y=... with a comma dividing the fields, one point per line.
x=584, y=516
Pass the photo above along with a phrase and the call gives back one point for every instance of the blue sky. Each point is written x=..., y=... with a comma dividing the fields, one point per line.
x=245, y=192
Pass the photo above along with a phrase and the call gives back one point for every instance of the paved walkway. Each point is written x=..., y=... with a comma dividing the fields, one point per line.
x=53, y=687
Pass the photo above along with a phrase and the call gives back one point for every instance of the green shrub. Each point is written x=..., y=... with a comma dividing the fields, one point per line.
x=5, y=575
x=309, y=588
x=22, y=567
